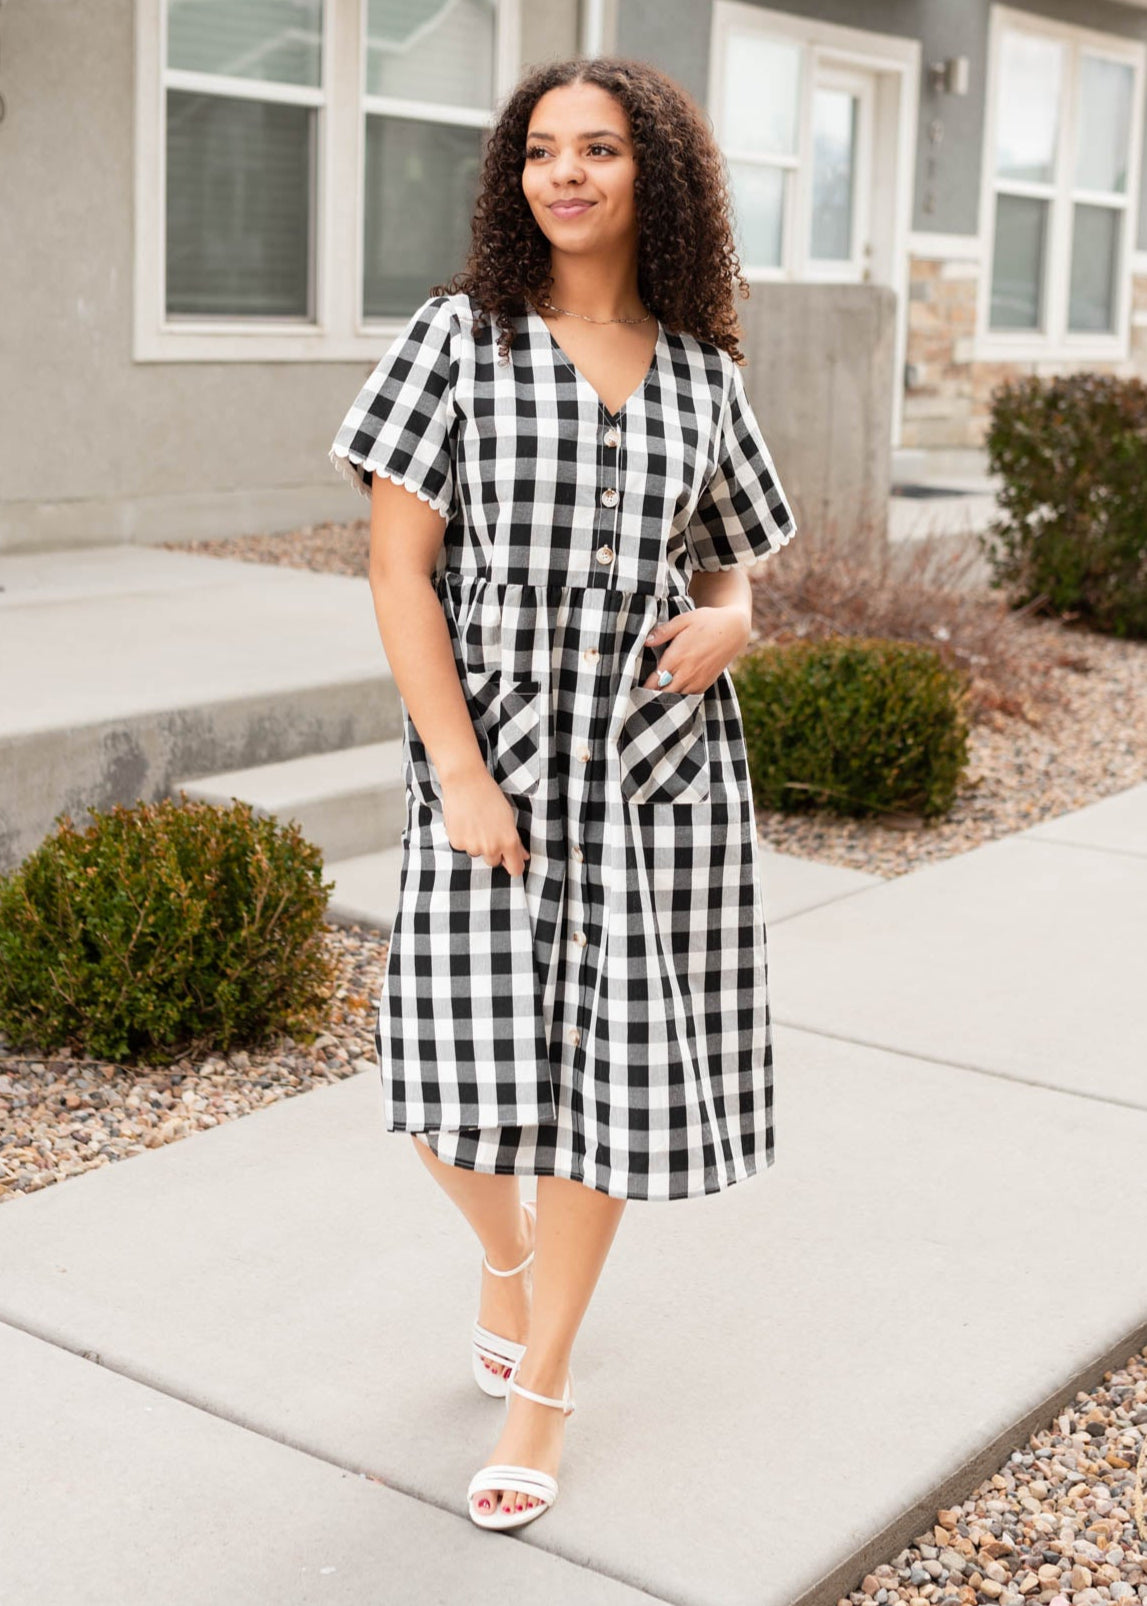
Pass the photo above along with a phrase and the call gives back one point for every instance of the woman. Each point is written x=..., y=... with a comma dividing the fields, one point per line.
x=566, y=482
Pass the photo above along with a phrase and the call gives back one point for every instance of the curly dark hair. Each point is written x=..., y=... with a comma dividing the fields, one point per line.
x=687, y=264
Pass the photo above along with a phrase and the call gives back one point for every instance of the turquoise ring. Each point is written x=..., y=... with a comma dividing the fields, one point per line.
x=664, y=677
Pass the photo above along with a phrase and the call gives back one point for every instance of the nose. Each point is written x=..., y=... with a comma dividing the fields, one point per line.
x=567, y=168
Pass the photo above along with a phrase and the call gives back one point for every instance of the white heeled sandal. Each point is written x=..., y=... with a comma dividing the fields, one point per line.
x=492, y=1346
x=531, y=1481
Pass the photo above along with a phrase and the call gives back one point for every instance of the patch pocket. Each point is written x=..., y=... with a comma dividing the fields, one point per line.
x=663, y=748
x=507, y=716
x=516, y=737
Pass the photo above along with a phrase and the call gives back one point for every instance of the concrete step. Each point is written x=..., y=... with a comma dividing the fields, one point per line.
x=350, y=802
x=366, y=889
x=123, y=669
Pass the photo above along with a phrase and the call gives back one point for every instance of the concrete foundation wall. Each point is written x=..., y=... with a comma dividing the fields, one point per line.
x=820, y=377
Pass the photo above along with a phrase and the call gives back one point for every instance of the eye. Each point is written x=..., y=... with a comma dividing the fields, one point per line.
x=608, y=149
x=530, y=150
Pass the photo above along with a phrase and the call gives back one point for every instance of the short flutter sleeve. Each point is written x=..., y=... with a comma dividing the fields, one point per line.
x=742, y=514
x=401, y=423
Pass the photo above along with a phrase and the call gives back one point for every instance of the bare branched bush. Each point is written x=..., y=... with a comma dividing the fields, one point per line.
x=926, y=591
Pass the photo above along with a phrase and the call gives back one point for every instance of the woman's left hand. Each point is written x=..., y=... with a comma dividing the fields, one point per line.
x=698, y=644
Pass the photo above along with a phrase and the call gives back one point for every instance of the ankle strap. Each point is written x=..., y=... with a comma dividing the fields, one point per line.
x=564, y=1404
x=514, y=1270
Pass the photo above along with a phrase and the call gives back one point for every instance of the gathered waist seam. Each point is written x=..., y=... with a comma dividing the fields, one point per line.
x=457, y=580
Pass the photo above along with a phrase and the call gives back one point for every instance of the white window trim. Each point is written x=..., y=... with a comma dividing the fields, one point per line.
x=946, y=247
x=1059, y=345
x=839, y=45
x=339, y=334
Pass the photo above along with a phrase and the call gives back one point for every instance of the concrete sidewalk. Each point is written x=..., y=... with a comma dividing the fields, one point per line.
x=777, y=1386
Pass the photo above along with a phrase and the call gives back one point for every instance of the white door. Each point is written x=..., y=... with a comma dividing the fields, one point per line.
x=801, y=162
x=817, y=122
x=836, y=211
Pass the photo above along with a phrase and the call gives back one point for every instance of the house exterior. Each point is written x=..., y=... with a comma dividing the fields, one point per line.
x=221, y=211
x=983, y=159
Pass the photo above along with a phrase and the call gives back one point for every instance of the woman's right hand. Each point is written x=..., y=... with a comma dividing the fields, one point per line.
x=480, y=820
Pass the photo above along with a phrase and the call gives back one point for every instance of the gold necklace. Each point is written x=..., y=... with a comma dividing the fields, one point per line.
x=547, y=303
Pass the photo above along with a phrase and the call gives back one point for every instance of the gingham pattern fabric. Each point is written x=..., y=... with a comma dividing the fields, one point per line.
x=603, y=1016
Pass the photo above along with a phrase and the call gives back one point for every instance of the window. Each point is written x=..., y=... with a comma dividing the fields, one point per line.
x=243, y=90
x=429, y=91
x=305, y=169
x=1062, y=174
x=796, y=104
x=760, y=138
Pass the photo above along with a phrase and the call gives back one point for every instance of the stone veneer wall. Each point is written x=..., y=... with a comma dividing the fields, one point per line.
x=949, y=405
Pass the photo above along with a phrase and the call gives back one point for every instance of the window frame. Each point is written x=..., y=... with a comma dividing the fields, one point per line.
x=1057, y=343
x=371, y=105
x=338, y=333
x=827, y=48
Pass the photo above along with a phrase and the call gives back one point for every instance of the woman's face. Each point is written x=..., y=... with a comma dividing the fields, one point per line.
x=578, y=150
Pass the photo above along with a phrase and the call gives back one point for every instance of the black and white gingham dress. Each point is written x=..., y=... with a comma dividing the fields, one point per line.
x=604, y=1016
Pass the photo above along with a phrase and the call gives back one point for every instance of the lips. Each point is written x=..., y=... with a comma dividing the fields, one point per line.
x=569, y=208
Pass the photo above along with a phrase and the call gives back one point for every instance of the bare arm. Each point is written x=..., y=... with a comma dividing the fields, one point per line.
x=406, y=535
x=723, y=588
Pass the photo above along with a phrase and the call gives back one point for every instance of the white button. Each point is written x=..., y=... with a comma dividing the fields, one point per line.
x=605, y=554
x=574, y=1036
x=609, y=496
x=591, y=654
x=580, y=938
x=611, y=437
x=583, y=754
x=576, y=851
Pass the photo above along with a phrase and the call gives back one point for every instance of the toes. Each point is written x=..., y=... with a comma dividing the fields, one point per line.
x=507, y=1500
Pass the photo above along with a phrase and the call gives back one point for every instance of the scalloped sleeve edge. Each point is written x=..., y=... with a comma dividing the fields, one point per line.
x=345, y=462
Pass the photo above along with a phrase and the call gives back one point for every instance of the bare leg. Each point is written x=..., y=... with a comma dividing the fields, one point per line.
x=576, y=1226
x=493, y=1207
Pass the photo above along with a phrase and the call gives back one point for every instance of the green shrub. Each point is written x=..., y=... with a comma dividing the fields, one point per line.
x=161, y=929
x=1072, y=452
x=854, y=725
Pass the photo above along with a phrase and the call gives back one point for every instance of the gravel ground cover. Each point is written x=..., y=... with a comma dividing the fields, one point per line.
x=1064, y=724
x=63, y=1114
x=1063, y=1520
x=1061, y=1523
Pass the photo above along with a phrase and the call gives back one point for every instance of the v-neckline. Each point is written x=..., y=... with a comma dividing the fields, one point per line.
x=577, y=373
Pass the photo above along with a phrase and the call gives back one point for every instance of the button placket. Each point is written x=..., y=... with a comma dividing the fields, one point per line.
x=580, y=898
x=609, y=494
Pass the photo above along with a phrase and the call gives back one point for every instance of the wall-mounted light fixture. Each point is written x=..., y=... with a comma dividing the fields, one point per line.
x=949, y=77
